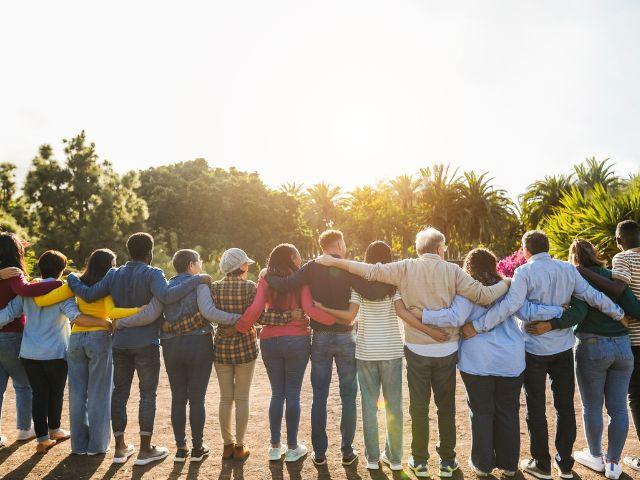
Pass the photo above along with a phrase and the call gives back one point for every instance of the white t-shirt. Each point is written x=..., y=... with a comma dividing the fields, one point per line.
x=626, y=267
x=379, y=334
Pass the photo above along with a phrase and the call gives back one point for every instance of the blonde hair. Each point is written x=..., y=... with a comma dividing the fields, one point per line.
x=583, y=253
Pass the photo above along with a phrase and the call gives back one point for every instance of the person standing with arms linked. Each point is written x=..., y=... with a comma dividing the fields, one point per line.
x=544, y=280
x=336, y=342
x=136, y=349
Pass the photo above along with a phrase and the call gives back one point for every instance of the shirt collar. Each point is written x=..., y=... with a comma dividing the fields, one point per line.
x=433, y=256
x=539, y=256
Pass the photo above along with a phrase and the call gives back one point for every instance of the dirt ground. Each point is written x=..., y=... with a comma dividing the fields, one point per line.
x=17, y=460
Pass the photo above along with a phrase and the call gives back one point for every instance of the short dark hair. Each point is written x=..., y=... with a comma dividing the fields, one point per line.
x=236, y=273
x=629, y=231
x=52, y=263
x=536, y=241
x=140, y=246
x=182, y=259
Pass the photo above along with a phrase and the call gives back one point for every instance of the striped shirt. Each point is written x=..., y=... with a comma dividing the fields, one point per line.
x=379, y=335
x=626, y=267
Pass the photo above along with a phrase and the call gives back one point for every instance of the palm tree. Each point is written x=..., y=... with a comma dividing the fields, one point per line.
x=405, y=188
x=324, y=201
x=293, y=189
x=542, y=197
x=593, y=172
x=486, y=208
x=438, y=191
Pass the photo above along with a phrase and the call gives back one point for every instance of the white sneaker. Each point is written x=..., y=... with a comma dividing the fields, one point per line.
x=371, y=465
x=121, y=456
x=153, y=455
x=24, y=435
x=584, y=457
x=509, y=473
x=396, y=467
x=293, y=455
x=275, y=453
x=613, y=471
x=633, y=463
x=477, y=471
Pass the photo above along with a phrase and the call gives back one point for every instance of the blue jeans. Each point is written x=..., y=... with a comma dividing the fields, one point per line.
x=325, y=347
x=145, y=361
x=90, y=383
x=285, y=359
x=10, y=366
x=372, y=375
x=603, y=368
x=188, y=360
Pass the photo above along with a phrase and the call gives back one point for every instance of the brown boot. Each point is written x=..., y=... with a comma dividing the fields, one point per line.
x=241, y=453
x=45, y=445
x=227, y=452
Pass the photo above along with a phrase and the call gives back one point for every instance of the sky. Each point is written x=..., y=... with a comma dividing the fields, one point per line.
x=349, y=92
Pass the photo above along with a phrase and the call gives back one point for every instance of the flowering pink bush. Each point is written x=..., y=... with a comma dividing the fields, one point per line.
x=508, y=265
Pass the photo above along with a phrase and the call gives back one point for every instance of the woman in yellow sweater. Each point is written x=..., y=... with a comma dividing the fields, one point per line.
x=89, y=359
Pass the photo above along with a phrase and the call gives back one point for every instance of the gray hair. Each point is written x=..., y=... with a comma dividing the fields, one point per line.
x=429, y=240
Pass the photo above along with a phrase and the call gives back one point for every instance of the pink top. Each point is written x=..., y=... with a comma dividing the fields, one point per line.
x=283, y=304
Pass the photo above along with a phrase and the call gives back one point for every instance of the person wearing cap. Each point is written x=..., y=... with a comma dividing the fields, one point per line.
x=235, y=352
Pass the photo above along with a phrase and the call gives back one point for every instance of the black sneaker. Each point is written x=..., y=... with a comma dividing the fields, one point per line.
x=317, y=459
x=181, y=455
x=198, y=454
x=349, y=459
x=531, y=467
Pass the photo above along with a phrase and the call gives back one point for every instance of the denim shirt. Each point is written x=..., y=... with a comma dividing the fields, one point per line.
x=187, y=306
x=132, y=285
x=544, y=280
x=498, y=352
x=46, y=332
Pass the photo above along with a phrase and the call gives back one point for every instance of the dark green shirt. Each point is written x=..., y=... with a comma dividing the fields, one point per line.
x=586, y=319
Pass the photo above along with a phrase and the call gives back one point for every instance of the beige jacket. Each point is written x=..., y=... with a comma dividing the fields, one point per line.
x=429, y=282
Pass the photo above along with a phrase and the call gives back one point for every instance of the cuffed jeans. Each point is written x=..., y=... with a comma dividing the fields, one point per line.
x=47, y=379
x=285, y=359
x=560, y=369
x=372, y=375
x=325, y=348
x=188, y=360
x=634, y=389
x=90, y=384
x=423, y=375
x=494, y=406
x=11, y=367
x=145, y=361
x=603, y=368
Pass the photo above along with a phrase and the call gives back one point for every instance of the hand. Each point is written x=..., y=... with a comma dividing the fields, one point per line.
x=205, y=279
x=538, y=328
x=437, y=333
x=263, y=273
x=297, y=314
x=507, y=280
x=226, y=332
x=468, y=331
x=624, y=321
x=317, y=304
x=566, y=306
x=10, y=272
x=326, y=260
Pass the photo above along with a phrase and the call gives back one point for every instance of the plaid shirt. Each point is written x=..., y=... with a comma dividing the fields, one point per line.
x=233, y=294
x=187, y=324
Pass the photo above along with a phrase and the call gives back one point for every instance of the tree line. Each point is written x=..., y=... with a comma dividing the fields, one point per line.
x=78, y=203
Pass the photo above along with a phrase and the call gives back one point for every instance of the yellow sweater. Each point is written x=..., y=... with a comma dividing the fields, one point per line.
x=104, y=308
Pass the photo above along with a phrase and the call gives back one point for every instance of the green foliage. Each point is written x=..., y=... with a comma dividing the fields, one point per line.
x=593, y=216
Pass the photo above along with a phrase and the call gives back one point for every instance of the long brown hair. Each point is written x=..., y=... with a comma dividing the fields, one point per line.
x=280, y=264
x=582, y=253
x=11, y=252
x=482, y=265
x=99, y=263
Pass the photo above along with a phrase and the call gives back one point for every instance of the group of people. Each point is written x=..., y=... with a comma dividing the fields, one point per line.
x=105, y=325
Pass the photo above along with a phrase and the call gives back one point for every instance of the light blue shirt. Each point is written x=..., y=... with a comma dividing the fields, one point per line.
x=498, y=352
x=46, y=332
x=544, y=280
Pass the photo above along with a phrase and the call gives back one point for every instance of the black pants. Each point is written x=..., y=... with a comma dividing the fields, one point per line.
x=494, y=406
x=47, y=379
x=423, y=375
x=634, y=390
x=560, y=369
x=188, y=360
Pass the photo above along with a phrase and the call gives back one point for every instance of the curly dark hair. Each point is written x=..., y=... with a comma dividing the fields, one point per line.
x=482, y=264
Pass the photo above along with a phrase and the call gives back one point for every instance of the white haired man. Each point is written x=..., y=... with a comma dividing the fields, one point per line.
x=428, y=282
